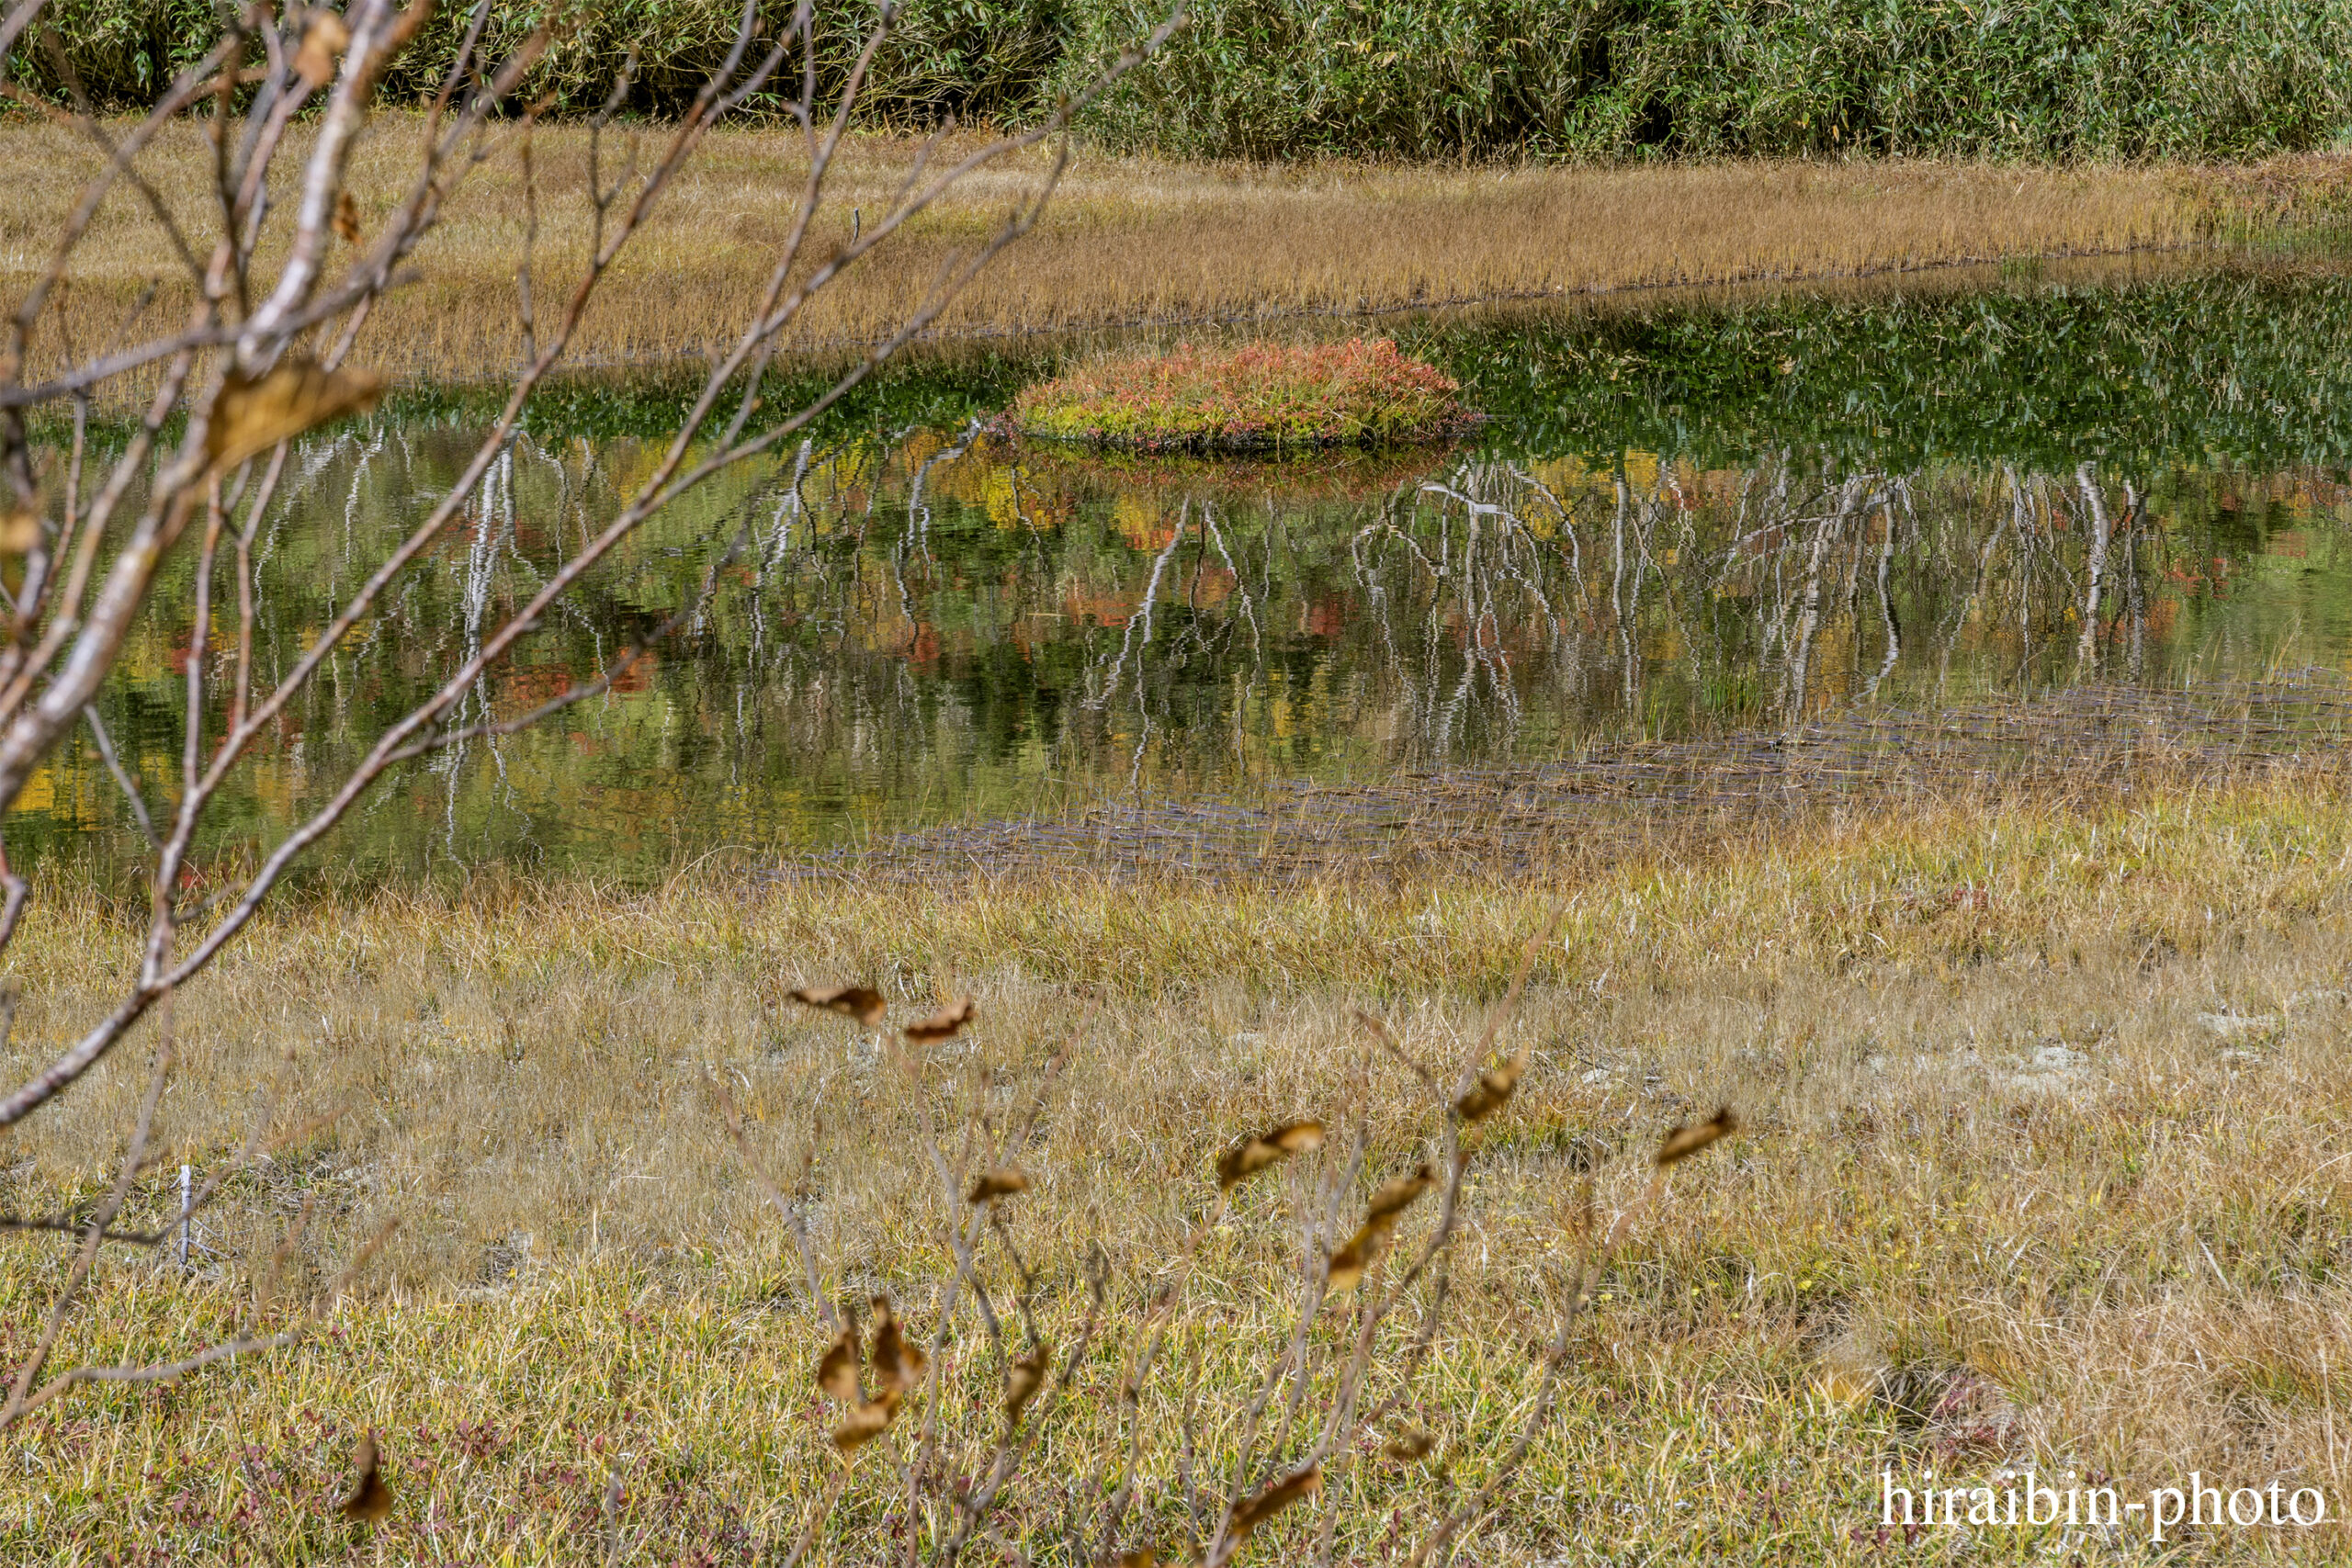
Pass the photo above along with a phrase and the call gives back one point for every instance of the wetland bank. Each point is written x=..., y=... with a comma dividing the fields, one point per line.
x=1748, y=644
x=1907, y=711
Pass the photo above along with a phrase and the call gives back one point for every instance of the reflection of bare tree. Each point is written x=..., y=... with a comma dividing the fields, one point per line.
x=903, y=603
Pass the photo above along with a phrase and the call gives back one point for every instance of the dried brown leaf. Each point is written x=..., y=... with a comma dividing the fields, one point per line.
x=1392, y=1198
x=346, y=219
x=897, y=1363
x=1023, y=1379
x=250, y=416
x=864, y=1423
x=941, y=1025
x=1254, y=1154
x=1409, y=1444
x=837, y=1372
x=370, y=1499
x=19, y=532
x=851, y=1001
x=1001, y=1182
x=1683, y=1142
x=323, y=45
x=1141, y=1557
x=1493, y=1091
x=1272, y=1501
x=1366, y=1247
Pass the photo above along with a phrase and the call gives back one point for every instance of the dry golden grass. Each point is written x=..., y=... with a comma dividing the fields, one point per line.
x=2046, y=1110
x=1127, y=240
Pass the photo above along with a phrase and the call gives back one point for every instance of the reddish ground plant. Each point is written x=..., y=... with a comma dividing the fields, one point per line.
x=1264, y=397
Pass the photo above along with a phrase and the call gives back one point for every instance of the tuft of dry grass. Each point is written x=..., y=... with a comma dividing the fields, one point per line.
x=2042, y=1160
x=1127, y=240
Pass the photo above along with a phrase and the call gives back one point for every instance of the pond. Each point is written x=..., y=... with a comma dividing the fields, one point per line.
x=1728, y=524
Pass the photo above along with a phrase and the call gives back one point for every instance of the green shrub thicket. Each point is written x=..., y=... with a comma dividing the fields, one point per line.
x=1556, y=79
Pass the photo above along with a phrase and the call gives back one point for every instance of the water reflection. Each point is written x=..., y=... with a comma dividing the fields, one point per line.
x=940, y=625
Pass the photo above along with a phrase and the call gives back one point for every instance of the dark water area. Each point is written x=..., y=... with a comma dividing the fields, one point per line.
x=1692, y=526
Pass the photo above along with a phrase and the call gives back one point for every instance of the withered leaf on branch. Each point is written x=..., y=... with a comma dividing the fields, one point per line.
x=1367, y=1246
x=1391, y=1197
x=1022, y=1381
x=19, y=532
x=1272, y=1501
x=837, y=1372
x=1683, y=1142
x=323, y=45
x=346, y=219
x=864, y=1423
x=851, y=1001
x=250, y=416
x=1408, y=1445
x=370, y=1499
x=897, y=1364
x=1001, y=1182
x=1492, y=1091
x=1253, y=1154
x=941, y=1025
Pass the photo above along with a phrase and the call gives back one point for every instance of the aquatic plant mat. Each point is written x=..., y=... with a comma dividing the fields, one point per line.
x=2097, y=740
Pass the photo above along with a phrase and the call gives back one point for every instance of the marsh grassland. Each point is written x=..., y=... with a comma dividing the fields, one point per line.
x=1128, y=238
x=2044, y=1104
x=1770, y=911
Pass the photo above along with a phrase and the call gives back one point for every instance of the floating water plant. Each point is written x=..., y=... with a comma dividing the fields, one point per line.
x=1360, y=392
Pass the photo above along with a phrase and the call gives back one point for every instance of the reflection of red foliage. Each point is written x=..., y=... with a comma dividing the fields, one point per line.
x=923, y=647
x=1104, y=609
x=1054, y=478
x=179, y=655
x=639, y=675
x=523, y=690
x=520, y=691
x=1326, y=616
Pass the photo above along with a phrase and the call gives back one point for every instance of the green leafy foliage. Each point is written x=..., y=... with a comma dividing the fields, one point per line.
x=1554, y=79
x=974, y=59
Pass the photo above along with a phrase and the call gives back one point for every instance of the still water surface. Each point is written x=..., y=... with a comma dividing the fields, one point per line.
x=927, y=624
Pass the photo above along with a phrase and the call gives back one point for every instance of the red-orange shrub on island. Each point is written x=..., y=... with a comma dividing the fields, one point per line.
x=1362, y=392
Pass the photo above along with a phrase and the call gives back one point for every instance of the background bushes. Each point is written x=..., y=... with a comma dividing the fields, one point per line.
x=1555, y=79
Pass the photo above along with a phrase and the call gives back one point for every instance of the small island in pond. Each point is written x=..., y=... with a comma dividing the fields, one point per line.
x=1363, y=392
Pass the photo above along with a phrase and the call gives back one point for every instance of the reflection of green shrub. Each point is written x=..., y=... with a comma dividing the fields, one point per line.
x=1359, y=392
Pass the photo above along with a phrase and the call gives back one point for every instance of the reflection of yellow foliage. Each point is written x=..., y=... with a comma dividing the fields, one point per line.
x=916, y=449
x=633, y=463
x=965, y=480
x=144, y=656
x=1000, y=497
x=1640, y=470
x=40, y=791
x=1564, y=476
x=1138, y=519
